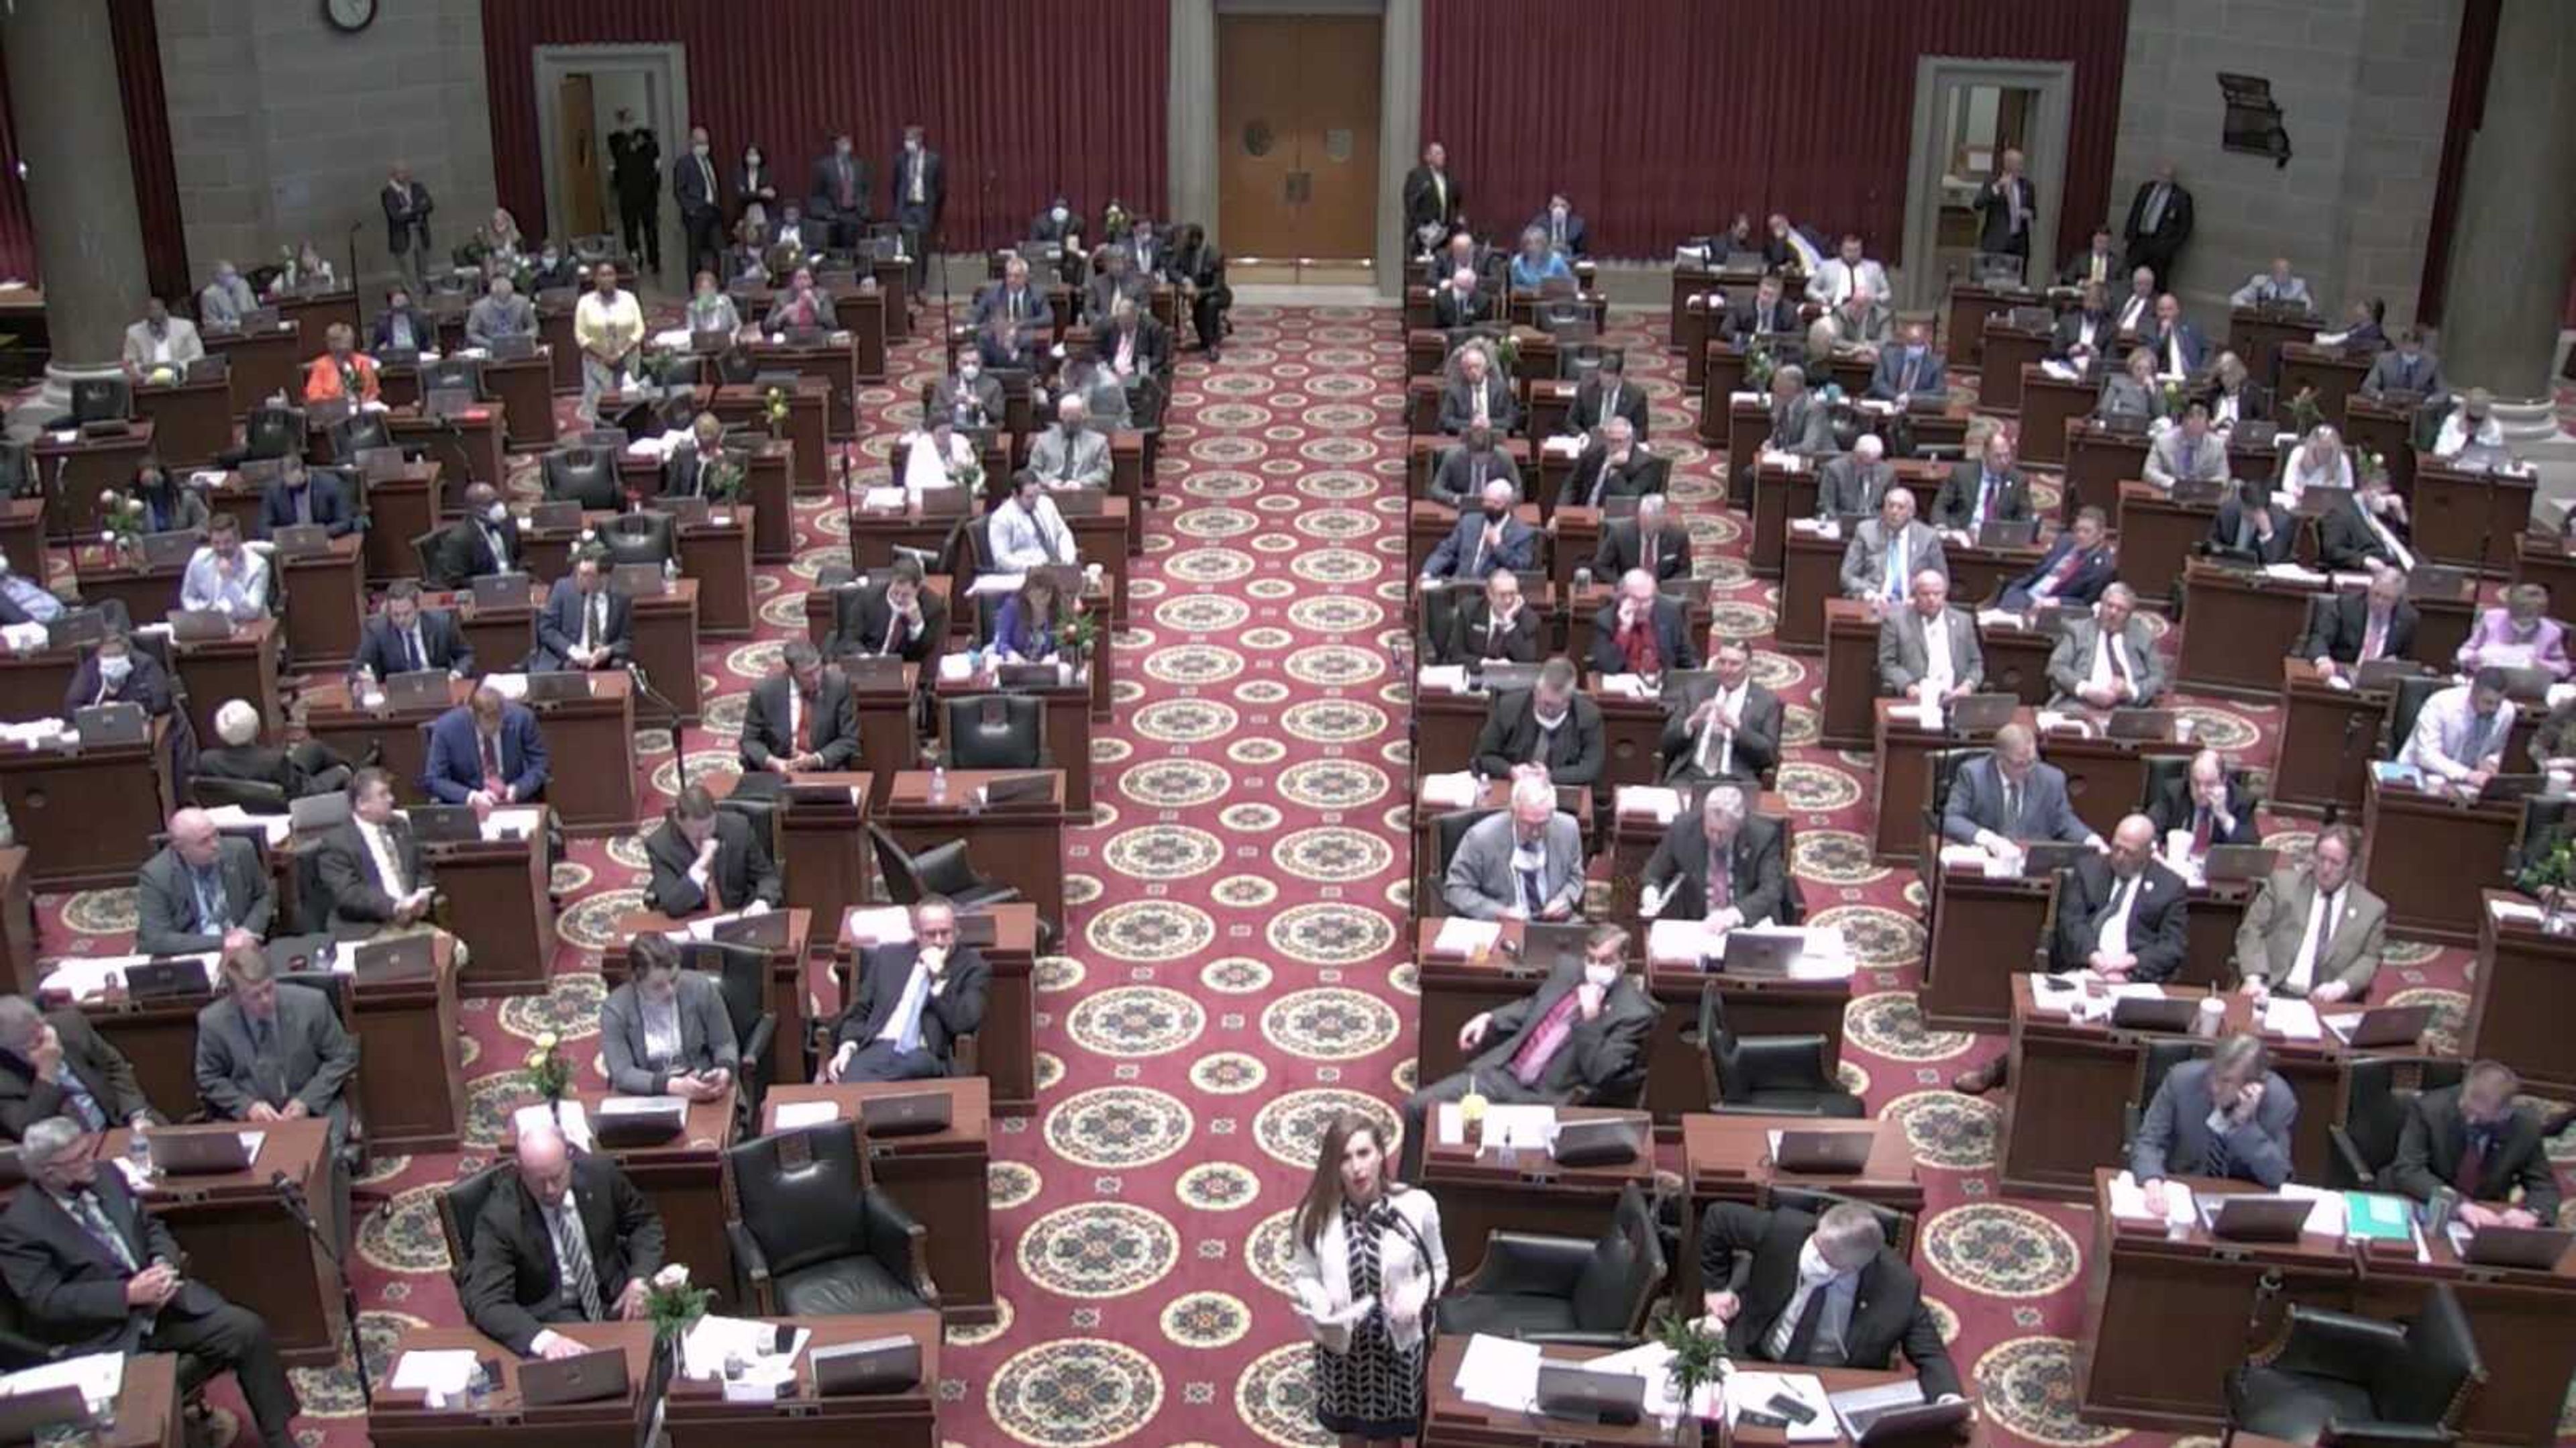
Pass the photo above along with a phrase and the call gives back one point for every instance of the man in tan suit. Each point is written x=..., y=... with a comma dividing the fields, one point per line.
x=2314, y=932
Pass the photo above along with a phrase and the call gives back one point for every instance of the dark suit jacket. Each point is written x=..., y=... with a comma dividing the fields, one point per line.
x=1757, y=742
x=2172, y=229
x=361, y=902
x=2345, y=540
x=1743, y=315
x=1957, y=500
x=1462, y=475
x=148, y=684
x=934, y=182
x=330, y=505
x=316, y=1056
x=684, y=472
x=2285, y=532
x=835, y=726
x=2086, y=584
x=1575, y=751
x=406, y=215
x=2436, y=1136
x=559, y=626
x=1604, y=1060
x=2070, y=335
x=2344, y=626
x=864, y=617
x=1672, y=638
x=101, y=1069
x=1588, y=413
x=2174, y=809
x=1641, y=473
x=744, y=871
x=955, y=1009
x=1153, y=344
x=1100, y=296
x=455, y=766
x=1458, y=406
x=1453, y=558
x=1887, y=380
x=1994, y=229
x=1754, y=1254
x=1753, y=869
x=442, y=644
x=690, y=186
x=2156, y=919
x=380, y=332
x=823, y=194
x=1422, y=201
x=463, y=554
x=1031, y=309
x=165, y=901
x=512, y=1288
x=1468, y=636
x=1623, y=547
x=70, y=1290
x=1450, y=310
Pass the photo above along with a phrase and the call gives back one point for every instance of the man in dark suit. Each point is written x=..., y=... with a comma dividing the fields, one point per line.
x=1800, y=420
x=685, y=471
x=1015, y=299
x=1639, y=631
x=407, y=638
x=1118, y=278
x=2123, y=915
x=54, y=1063
x=1768, y=312
x=1432, y=206
x=1460, y=301
x=1853, y=484
x=1987, y=488
x=704, y=858
x=2099, y=264
x=486, y=752
x=1492, y=537
x=1910, y=369
x=1134, y=346
x=2207, y=804
x=701, y=201
x=1579, y=1039
x=1477, y=381
x=1822, y=1291
x=91, y=1271
x=2086, y=331
x=2008, y=210
x=585, y=623
x=801, y=718
x=912, y=1002
x=2227, y=1116
x=899, y=618
x=1722, y=867
x=1563, y=227
x=1551, y=724
x=635, y=173
x=564, y=1239
x=2357, y=628
x=484, y=541
x=2472, y=1141
x=969, y=397
x=300, y=495
x=1733, y=734
x=1606, y=394
x=2249, y=526
x=2177, y=344
x=407, y=207
x=1460, y=479
x=2076, y=568
x=1651, y=541
x=920, y=197
x=1494, y=626
x=272, y=1053
x=371, y=866
x=1615, y=466
x=308, y=768
x=842, y=193
x=2365, y=529
x=2159, y=223
x=200, y=888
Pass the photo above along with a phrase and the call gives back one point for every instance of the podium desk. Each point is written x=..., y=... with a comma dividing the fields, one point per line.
x=1020, y=845
x=1484, y=1195
x=243, y=666
x=1978, y=572
x=2257, y=334
x=191, y=421
x=32, y=684
x=1964, y=316
x=411, y=1070
x=2048, y=409
x=326, y=604
x=1547, y=402
x=2538, y=557
x=87, y=815
x=771, y=480
x=2009, y=349
x=835, y=360
x=2016, y=658
x=405, y=1420
x=888, y=744
x=73, y=470
x=715, y=556
x=524, y=390
x=2158, y=537
x=1573, y=539
x=1811, y=572
x=1107, y=536
x=240, y=1241
x=1982, y=931
x=1677, y=1074
x=1902, y=784
x=2467, y=519
x=148, y=1404
x=2237, y=627
x=499, y=903
x=2517, y=1316
x=1729, y=1159
x=1687, y=307
x=875, y=534
x=697, y=1414
x=401, y=507
x=1632, y=732
x=2098, y=462
x=2388, y=429
x=1004, y=1048
x=597, y=798
x=2431, y=856
x=936, y=1177
x=1717, y=372
x=684, y=1177
x=786, y=992
x=18, y=973
x=2328, y=737
x=1066, y=705
x=562, y=348
x=148, y=591
x=261, y=364
x=823, y=850
x=1851, y=673
x=2515, y=997
x=1445, y=724
x=866, y=317
x=315, y=311
x=2135, y=1363
x=1748, y=423
x=2332, y=373
x=746, y=404
x=466, y=447
x=333, y=716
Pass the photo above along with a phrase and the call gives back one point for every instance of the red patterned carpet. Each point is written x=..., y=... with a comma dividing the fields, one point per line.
x=1234, y=969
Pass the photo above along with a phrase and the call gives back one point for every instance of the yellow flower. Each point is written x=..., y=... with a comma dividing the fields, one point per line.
x=546, y=1041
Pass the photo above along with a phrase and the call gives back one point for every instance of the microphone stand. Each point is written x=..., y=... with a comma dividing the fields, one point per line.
x=2343, y=762
x=291, y=1196
x=354, y=228
x=644, y=685
x=849, y=477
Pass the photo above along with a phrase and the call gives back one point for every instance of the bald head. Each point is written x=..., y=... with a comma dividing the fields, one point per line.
x=545, y=1163
x=193, y=835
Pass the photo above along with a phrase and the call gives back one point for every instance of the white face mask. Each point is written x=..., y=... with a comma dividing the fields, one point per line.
x=497, y=514
x=1058, y=214
x=969, y=370
x=699, y=149
x=115, y=669
x=1602, y=976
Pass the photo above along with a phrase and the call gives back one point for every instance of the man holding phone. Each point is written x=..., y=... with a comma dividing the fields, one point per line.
x=1818, y=1291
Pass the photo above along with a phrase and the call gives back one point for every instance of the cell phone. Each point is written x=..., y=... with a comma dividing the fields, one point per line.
x=1789, y=1407
x=785, y=1338
x=1750, y=1418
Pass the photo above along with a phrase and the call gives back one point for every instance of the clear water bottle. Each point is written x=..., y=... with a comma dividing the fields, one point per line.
x=138, y=1150
x=938, y=781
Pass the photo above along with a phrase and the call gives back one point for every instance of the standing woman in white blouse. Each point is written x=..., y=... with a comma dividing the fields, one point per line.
x=1366, y=1267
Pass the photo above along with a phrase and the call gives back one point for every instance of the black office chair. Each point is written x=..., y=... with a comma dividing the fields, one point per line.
x=2162, y=1054
x=459, y=1208
x=17, y=468
x=2543, y=823
x=2409, y=702
x=940, y=870
x=1897, y=1227
x=995, y=731
x=452, y=374
x=2340, y=1378
x=1564, y=1290
x=646, y=537
x=314, y=899
x=357, y=431
x=273, y=432
x=424, y=551
x=2379, y=1091
x=257, y=796
x=582, y=475
x=1782, y=1075
x=816, y=1239
x=1447, y=830
x=741, y=972
x=1439, y=619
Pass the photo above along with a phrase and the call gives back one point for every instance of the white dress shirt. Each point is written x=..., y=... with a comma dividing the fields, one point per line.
x=2108, y=656
x=1020, y=540
x=1938, y=670
x=2113, y=938
x=1716, y=751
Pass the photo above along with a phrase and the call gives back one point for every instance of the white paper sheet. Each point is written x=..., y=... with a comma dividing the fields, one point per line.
x=1642, y=799
x=1445, y=678
x=2129, y=1199
x=100, y=1376
x=877, y=925
x=797, y=1115
x=513, y=823
x=640, y=1105
x=712, y=1339
x=1496, y=1372
x=1449, y=791
x=233, y=817
x=1460, y=936
x=444, y=1371
x=2291, y=1017
x=575, y=1122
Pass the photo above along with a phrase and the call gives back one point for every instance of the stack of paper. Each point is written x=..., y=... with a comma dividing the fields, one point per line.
x=797, y=1115
x=441, y=1373
x=574, y=1122
x=712, y=1340
x=1000, y=585
x=1461, y=936
x=1826, y=955
x=275, y=827
x=1683, y=942
x=1496, y=1372
x=513, y=823
x=2522, y=910
x=1653, y=1362
x=1449, y=791
x=1563, y=446
x=877, y=925
x=508, y=686
x=704, y=927
x=884, y=500
x=1446, y=678
x=1625, y=686
x=25, y=638
x=2287, y=1016
x=1640, y=799
x=1998, y=618
x=2293, y=573
x=100, y=1376
x=2129, y=1200
x=2325, y=1208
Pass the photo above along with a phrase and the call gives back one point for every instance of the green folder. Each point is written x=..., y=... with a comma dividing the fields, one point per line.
x=2378, y=1216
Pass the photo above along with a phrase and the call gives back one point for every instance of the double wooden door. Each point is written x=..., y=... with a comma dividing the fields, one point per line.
x=1297, y=136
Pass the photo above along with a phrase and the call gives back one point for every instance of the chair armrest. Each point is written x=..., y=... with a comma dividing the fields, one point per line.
x=2437, y=1370
x=2340, y=1345
x=755, y=1049
x=1524, y=1262
x=1784, y=1063
x=944, y=869
x=898, y=1243
x=2351, y=1170
x=751, y=1263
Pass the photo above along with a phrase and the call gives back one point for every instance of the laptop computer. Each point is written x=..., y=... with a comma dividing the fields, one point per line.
x=179, y=1151
x=2254, y=432
x=155, y=979
x=1982, y=713
x=2008, y=533
x=1502, y=678
x=2047, y=857
x=76, y=628
x=161, y=550
x=2238, y=862
x=416, y=689
x=376, y=463
x=1823, y=1152
x=2140, y=724
x=684, y=512
x=767, y=930
x=2537, y=1248
x=640, y=1122
x=199, y=625
x=401, y=957
x=588, y=1378
x=312, y=813
x=1602, y=1141
x=2154, y=1013
x=906, y=1113
x=513, y=346
x=2385, y=673
x=1545, y=945
x=2252, y=1217
x=301, y=540
x=2507, y=788
x=1749, y=951
x=2382, y=1026
x=1027, y=676
x=867, y=1368
x=107, y=725
x=1905, y=1419
x=1578, y=1394
x=558, y=687
x=500, y=590
x=444, y=824
x=1034, y=788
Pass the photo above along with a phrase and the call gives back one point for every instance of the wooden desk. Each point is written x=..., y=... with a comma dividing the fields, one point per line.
x=2047, y=407
x=262, y=365
x=191, y=421
x=86, y=816
x=1005, y=1050
x=411, y=1069
x=684, y=1176
x=1445, y=725
x=2098, y=462
x=1982, y=930
x=1811, y=571
x=1483, y=1196
x=326, y=598
x=1717, y=371
x=466, y=447
x=524, y=390
x=2467, y=519
x=835, y=360
x=401, y=507
x=937, y=1178
x=405, y=1420
x=1851, y=673
x=1017, y=845
x=2158, y=537
x=32, y=684
x=148, y=1404
x=2106, y=779
x=786, y=992
x=2237, y=627
x=2518, y=1319
x=2257, y=336
x=2008, y=349
x=2016, y=658
x=2328, y=737
x=875, y=534
x=2515, y=1012
x=697, y=1415
x=1453, y=1422
x=2540, y=558
x=2333, y=373
x=333, y=717
x=1677, y=1079
x=746, y=404
x=563, y=349
x=2431, y=858
x=240, y=1241
x=74, y=470
x=1902, y=785
x=597, y=798
x=1728, y=1159
x=214, y=671
x=1963, y=330
x=2375, y=425
x=314, y=311
x=499, y=902
x=1066, y=706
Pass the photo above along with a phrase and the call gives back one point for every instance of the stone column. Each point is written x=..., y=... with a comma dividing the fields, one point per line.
x=2516, y=225
x=1190, y=131
x=80, y=181
x=1400, y=137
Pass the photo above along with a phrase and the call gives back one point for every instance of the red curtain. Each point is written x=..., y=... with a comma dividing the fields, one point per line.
x=1021, y=100
x=1662, y=118
x=147, y=143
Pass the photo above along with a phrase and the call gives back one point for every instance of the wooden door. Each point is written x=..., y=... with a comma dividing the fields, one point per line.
x=1297, y=135
x=574, y=129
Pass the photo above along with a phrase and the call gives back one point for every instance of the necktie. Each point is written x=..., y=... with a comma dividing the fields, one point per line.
x=803, y=708
x=1646, y=553
x=1905, y=382
x=414, y=657
x=916, y=993
x=2374, y=638
x=572, y=1247
x=846, y=193
x=2332, y=905
x=2473, y=1162
x=1532, y=899
x=1896, y=570
x=2012, y=807
x=94, y=1219
x=1481, y=418
x=1610, y=402
x=1985, y=498
x=2203, y=827
x=84, y=1105
x=491, y=763
x=304, y=505
x=1530, y=1063
x=594, y=621
x=2119, y=903
x=1721, y=879
x=2156, y=207
x=214, y=912
x=896, y=630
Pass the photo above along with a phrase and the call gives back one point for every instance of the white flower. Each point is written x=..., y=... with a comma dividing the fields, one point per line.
x=672, y=1278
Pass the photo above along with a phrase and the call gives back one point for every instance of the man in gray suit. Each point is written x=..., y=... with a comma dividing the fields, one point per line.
x=267, y=1052
x=1853, y=484
x=160, y=340
x=2314, y=932
x=1071, y=454
x=2227, y=1117
x=2107, y=661
x=2274, y=288
x=2408, y=368
x=1733, y=734
x=1886, y=552
x=1800, y=421
x=2010, y=796
x=199, y=889
x=1928, y=647
x=664, y=1032
x=499, y=312
x=2187, y=453
x=226, y=299
x=1523, y=864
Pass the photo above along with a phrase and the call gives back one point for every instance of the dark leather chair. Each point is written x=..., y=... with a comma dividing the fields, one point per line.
x=2162, y=1054
x=18, y=1349
x=741, y=973
x=939, y=870
x=2335, y=1377
x=359, y=430
x=1439, y=617
x=1940, y=768
x=815, y=1239
x=273, y=432
x=646, y=537
x=452, y=374
x=582, y=475
x=2379, y=1091
x=995, y=731
x=314, y=899
x=258, y=796
x=459, y=1207
x=1778, y=1075
x=1564, y=1290
x=2409, y=702
x=424, y=552
x=1447, y=830
x=17, y=469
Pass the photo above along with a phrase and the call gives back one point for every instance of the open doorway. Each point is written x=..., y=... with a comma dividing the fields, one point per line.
x=1967, y=113
x=587, y=94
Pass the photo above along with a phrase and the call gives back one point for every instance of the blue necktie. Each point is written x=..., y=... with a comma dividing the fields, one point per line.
x=908, y=1010
x=1532, y=900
